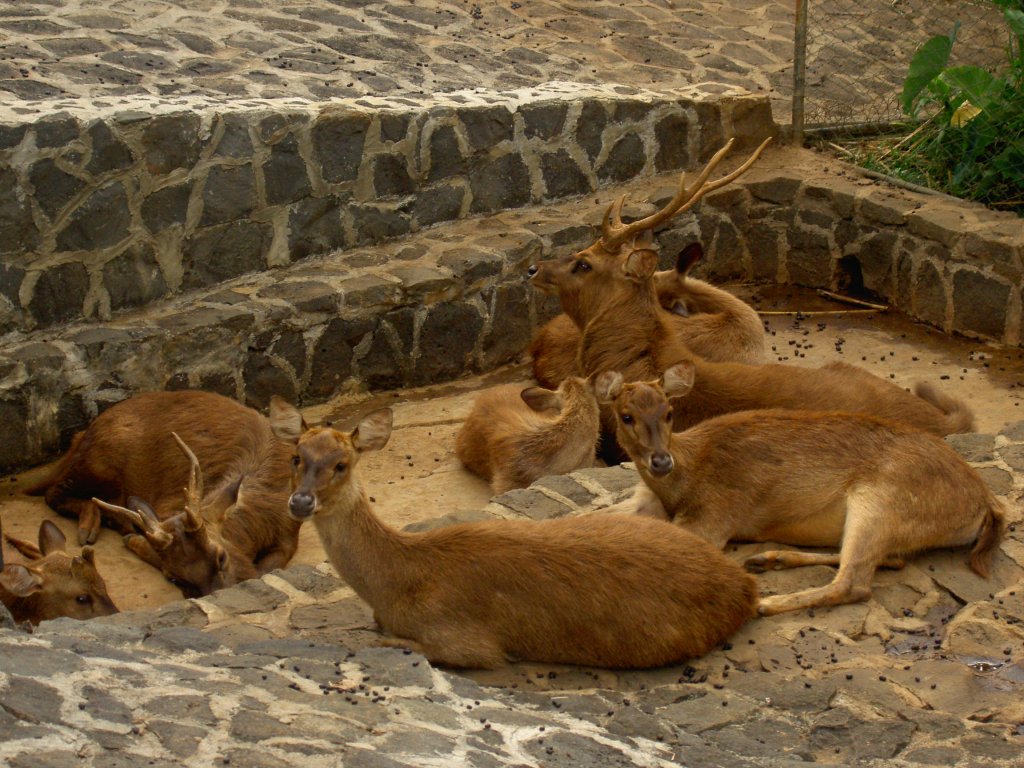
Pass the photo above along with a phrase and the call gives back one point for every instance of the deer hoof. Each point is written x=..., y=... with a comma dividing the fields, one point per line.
x=758, y=563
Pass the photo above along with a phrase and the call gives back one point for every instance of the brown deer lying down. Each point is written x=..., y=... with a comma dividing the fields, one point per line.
x=52, y=583
x=514, y=436
x=712, y=322
x=876, y=489
x=126, y=464
x=605, y=591
x=608, y=290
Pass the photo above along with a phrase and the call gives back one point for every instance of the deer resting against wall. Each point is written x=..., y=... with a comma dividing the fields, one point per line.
x=198, y=481
x=712, y=322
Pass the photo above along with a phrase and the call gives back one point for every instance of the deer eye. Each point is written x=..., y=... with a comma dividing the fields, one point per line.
x=581, y=266
x=83, y=599
x=296, y=460
x=668, y=417
x=340, y=467
x=627, y=419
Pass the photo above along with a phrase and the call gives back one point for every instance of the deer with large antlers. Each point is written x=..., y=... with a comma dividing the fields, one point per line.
x=599, y=590
x=51, y=583
x=608, y=290
x=875, y=489
x=711, y=321
x=198, y=482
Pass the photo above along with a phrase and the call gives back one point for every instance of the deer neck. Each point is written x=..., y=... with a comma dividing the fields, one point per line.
x=363, y=550
x=622, y=331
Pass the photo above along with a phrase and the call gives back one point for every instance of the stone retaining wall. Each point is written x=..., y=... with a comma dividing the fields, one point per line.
x=103, y=215
x=453, y=300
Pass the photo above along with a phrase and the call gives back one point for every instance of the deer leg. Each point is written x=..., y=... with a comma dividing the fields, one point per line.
x=863, y=549
x=89, y=520
x=776, y=560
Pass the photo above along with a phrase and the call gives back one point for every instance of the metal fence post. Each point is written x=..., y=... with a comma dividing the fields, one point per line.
x=799, y=72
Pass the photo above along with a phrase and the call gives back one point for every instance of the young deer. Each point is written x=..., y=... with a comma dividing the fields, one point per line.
x=712, y=322
x=874, y=488
x=609, y=291
x=605, y=591
x=52, y=583
x=126, y=465
x=514, y=436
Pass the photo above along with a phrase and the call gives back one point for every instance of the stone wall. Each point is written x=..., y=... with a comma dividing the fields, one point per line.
x=109, y=214
x=953, y=265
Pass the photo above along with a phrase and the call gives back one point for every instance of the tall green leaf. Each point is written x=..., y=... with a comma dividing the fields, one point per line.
x=976, y=84
x=929, y=60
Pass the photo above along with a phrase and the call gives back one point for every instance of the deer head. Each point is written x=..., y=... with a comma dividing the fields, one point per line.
x=325, y=459
x=643, y=414
x=187, y=549
x=53, y=583
x=585, y=281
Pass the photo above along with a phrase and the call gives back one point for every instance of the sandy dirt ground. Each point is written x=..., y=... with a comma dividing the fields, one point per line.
x=417, y=476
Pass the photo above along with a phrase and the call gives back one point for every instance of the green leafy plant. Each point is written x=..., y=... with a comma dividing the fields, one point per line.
x=972, y=142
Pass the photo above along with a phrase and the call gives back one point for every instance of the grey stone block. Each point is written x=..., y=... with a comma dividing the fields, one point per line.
x=99, y=222
x=170, y=142
x=284, y=173
x=980, y=304
x=229, y=194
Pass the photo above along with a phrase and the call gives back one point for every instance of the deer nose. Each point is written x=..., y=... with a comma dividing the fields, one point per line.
x=661, y=463
x=301, y=505
x=532, y=270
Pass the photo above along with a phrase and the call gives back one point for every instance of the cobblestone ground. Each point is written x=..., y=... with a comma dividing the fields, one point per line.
x=84, y=54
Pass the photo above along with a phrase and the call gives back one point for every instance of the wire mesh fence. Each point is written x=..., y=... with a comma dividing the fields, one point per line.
x=858, y=53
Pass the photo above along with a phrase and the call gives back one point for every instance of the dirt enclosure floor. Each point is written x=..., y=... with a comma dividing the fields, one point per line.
x=417, y=477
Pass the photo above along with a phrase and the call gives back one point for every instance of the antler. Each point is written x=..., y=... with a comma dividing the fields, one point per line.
x=194, y=493
x=150, y=528
x=614, y=232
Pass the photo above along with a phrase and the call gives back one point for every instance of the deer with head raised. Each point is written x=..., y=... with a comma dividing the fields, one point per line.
x=609, y=291
x=876, y=489
x=515, y=435
x=198, y=482
x=711, y=321
x=600, y=590
x=51, y=583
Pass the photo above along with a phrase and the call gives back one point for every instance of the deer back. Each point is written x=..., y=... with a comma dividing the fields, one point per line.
x=51, y=583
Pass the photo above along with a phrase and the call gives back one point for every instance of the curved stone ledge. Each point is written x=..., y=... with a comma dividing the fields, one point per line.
x=111, y=212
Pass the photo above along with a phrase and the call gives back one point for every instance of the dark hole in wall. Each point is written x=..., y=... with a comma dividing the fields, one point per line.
x=851, y=281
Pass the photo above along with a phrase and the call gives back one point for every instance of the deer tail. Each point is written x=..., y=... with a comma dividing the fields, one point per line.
x=993, y=526
x=958, y=415
x=60, y=468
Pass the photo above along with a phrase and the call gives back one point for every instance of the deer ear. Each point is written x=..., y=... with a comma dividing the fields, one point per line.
x=143, y=508
x=689, y=256
x=540, y=399
x=678, y=380
x=373, y=431
x=607, y=386
x=50, y=538
x=285, y=420
x=640, y=265
x=20, y=581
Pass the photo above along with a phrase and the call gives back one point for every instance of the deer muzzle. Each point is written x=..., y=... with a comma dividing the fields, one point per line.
x=661, y=463
x=301, y=505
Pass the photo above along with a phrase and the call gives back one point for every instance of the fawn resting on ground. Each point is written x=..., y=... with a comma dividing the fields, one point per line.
x=52, y=583
x=127, y=456
x=608, y=290
x=514, y=436
x=710, y=321
x=605, y=591
x=874, y=488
